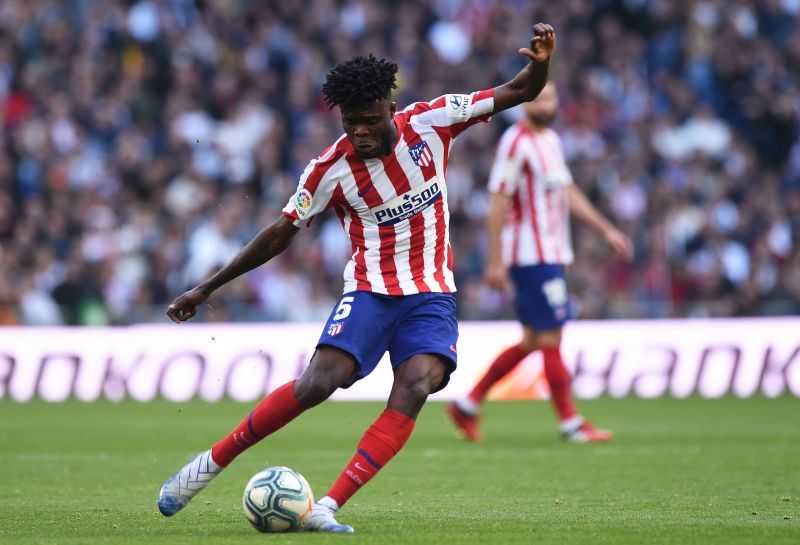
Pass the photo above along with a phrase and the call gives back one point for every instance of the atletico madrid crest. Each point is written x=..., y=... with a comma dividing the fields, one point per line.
x=335, y=329
x=421, y=154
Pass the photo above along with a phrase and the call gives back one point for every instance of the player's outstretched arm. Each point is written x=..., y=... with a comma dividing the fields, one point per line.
x=531, y=80
x=271, y=241
x=584, y=211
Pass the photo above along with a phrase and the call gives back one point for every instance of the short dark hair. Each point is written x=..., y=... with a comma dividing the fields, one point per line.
x=359, y=80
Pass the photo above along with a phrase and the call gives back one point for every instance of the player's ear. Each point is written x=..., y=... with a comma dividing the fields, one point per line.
x=392, y=108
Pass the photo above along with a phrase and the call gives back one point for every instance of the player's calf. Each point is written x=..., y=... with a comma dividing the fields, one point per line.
x=329, y=369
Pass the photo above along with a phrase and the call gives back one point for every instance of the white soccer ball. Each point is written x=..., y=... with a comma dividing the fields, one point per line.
x=277, y=499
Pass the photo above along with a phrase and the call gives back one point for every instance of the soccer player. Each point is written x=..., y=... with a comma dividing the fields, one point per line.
x=529, y=240
x=385, y=178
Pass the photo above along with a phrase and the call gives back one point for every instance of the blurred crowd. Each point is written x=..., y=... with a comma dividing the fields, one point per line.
x=144, y=142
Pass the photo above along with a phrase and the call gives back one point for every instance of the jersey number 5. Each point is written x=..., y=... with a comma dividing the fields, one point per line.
x=344, y=308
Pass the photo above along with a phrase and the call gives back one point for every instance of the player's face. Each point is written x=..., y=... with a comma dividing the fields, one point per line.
x=542, y=111
x=370, y=128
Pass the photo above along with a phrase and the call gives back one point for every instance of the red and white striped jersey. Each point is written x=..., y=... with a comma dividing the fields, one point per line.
x=394, y=208
x=530, y=168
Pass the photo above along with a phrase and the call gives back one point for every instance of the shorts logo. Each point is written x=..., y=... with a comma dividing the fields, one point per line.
x=408, y=204
x=303, y=202
x=421, y=154
x=459, y=106
x=335, y=329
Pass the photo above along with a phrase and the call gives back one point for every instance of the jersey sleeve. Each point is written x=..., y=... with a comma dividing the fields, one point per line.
x=315, y=191
x=507, y=166
x=454, y=113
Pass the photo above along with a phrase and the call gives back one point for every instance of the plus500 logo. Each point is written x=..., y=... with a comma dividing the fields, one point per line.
x=408, y=204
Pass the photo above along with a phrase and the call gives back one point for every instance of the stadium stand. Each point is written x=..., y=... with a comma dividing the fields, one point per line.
x=144, y=142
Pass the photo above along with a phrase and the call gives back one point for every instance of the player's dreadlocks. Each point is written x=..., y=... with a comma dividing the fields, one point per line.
x=359, y=80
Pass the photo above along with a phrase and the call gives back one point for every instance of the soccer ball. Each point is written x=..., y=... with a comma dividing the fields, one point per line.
x=277, y=499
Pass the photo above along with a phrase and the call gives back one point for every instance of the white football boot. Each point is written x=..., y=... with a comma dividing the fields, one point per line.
x=181, y=487
x=322, y=518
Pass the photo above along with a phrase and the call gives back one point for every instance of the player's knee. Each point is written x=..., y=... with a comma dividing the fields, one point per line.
x=316, y=385
x=417, y=390
x=417, y=386
x=549, y=339
x=529, y=341
x=528, y=345
x=312, y=391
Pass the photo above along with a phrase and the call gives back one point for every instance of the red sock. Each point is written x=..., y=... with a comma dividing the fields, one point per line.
x=501, y=366
x=275, y=411
x=559, y=380
x=382, y=440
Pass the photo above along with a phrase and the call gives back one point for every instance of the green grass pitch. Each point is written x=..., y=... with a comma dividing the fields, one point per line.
x=679, y=471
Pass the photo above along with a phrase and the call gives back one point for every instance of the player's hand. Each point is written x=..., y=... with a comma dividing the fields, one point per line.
x=185, y=306
x=620, y=243
x=497, y=277
x=543, y=43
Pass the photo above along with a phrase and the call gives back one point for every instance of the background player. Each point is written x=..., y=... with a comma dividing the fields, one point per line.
x=385, y=179
x=528, y=224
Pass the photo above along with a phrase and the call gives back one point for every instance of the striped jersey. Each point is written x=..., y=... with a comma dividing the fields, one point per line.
x=394, y=208
x=530, y=168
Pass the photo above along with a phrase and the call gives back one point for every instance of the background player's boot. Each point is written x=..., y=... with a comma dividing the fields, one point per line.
x=584, y=432
x=466, y=423
x=181, y=487
x=323, y=519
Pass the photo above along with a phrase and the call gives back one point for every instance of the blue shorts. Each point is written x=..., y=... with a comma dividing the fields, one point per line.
x=366, y=325
x=542, y=300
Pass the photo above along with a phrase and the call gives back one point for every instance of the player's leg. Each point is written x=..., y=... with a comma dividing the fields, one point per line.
x=329, y=369
x=354, y=337
x=572, y=425
x=423, y=354
x=527, y=297
x=464, y=411
x=501, y=366
x=414, y=380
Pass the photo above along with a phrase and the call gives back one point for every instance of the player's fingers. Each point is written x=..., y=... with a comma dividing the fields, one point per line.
x=528, y=53
x=172, y=315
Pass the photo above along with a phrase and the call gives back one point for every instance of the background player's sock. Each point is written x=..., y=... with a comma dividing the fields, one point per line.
x=501, y=366
x=559, y=380
x=275, y=411
x=568, y=426
x=382, y=440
